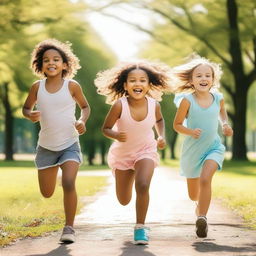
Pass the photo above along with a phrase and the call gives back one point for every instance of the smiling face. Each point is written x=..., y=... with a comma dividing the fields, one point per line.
x=53, y=64
x=137, y=83
x=202, y=78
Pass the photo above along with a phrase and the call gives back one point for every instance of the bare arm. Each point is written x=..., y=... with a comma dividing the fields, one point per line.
x=180, y=116
x=29, y=104
x=81, y=100
x=111, y=118
x=160, y=127
x=78, y=95
x=226, y=128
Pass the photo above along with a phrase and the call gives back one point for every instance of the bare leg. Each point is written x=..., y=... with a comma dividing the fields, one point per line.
x=47, y=180
x=124, y=184
x=209, y=168
x=199, y=189
x=69, y=172
x=144, y=170
x=193, y=191
x=193, y=188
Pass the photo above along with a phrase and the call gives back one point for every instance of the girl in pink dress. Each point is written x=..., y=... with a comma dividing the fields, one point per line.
x=134, y=89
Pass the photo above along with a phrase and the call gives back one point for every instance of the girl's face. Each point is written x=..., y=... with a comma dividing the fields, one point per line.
x=202, y=78
x=137, y=84
x=53, y=64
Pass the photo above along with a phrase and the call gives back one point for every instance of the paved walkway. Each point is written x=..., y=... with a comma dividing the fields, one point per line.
x=105, y=228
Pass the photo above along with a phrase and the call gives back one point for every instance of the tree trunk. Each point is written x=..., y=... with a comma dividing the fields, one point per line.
x=163, y=153
x=91, y=151
x=172, y=144
x=240, y=96
x=8, y=124
x=239, y=149
x=103, y=152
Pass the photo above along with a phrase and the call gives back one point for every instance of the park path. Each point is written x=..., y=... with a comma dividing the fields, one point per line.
x=106, y=228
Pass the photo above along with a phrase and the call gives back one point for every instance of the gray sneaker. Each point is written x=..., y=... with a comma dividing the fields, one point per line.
x=68, y=235
x=201, y=226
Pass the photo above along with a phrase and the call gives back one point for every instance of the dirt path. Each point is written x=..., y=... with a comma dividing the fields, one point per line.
x=106, y=228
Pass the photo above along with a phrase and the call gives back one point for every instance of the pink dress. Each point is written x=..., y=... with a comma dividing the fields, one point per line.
x=140, y=143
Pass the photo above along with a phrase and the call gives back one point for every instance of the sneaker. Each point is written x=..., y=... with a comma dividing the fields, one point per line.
x=201, y=227
x=68, y=235
x=141, y=236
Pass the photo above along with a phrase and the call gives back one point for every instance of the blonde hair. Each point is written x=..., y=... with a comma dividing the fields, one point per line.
x=182, y=74
x=110, y=82
x=65, y=52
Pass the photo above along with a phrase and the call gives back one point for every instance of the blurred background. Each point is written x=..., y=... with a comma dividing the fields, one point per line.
x=105, y=32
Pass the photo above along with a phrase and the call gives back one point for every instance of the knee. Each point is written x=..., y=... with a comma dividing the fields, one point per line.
x=68, y=186
x=141, y=188
x=204, y=182
x=124, y=201
x=124, y=198
x=46, y=194
x=193, y=197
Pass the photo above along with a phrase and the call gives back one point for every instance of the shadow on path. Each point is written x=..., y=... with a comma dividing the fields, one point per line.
x=62, y=250
x=212, y=247
x=130, y=249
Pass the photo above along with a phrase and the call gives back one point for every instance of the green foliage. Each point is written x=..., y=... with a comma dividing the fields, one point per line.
x=223, y=31
x=252, y=108
x=28, y=22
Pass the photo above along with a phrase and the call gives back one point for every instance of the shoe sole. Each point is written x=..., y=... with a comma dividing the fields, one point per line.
x=67, y=240
x=201, y=228
x=140, y=242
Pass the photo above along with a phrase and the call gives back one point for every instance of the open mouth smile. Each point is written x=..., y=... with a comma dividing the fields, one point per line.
x=137, y=90
x=203, y=84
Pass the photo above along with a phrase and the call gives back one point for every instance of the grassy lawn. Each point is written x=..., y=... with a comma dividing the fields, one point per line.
x=235, y=186
x=24, y=212
x=28, y=163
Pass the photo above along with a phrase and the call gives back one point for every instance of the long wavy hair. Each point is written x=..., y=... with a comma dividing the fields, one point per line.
x=110, y=82
x=182, y=74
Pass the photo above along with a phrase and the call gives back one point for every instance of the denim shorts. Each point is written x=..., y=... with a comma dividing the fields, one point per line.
x=46, y=158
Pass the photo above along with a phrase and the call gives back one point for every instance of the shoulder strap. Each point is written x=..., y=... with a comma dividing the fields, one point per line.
x=42, y=82
x=151, y=107
x=41, y=86
x=125, y=107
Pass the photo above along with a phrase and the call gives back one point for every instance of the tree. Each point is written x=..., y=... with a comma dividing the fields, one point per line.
x=17, y=19
x=24, y=24
x=225, y=34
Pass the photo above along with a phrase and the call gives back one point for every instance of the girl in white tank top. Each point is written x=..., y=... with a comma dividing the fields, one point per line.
x=58, y=145
x=134, y=89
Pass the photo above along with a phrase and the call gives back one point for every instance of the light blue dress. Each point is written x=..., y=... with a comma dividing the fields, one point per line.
x=208, y=146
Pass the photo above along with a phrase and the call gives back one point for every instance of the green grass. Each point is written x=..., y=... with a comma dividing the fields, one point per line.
x=24, y=212
x=235, y=186
x=28, y=163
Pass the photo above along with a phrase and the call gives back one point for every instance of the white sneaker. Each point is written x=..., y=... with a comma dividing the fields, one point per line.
x=68, y=235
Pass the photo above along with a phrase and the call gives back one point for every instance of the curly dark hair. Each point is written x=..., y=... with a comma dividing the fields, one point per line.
x=64, y=50
x=110, y=83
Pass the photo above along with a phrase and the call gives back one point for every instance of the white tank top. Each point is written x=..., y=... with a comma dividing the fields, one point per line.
x=57, y=117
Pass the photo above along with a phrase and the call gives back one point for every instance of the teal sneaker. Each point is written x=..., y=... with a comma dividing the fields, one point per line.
x=141, y=236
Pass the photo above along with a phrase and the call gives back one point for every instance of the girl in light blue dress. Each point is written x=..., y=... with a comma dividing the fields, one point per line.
x=200, y=106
